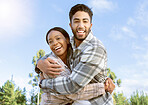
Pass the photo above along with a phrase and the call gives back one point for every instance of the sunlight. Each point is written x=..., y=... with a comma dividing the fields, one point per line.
x=14, y=17
x=9, y=13
x=4, y=10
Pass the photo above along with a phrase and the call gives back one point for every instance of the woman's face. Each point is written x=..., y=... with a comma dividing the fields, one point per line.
x=58, y=43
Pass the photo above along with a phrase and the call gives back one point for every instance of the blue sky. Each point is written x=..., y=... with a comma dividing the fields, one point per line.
x=121, y=25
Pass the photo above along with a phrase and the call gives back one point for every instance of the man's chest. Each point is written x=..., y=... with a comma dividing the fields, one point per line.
x=75, y=58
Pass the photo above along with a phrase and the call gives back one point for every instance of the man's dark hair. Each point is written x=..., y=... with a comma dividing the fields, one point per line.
x=80, y=7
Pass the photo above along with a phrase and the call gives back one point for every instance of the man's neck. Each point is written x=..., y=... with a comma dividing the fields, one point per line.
x=77, y=42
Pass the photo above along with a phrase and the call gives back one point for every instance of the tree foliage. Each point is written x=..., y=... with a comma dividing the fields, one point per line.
x=139, y=98
x=11, y=96
x=113, y=77
x=34, y=78
x=120, y=99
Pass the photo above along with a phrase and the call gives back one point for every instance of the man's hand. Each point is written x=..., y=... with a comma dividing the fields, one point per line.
x=109, y=85
x=41, y=76
x=49, y=67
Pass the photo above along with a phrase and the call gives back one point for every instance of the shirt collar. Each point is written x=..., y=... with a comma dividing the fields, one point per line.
x=83, y=44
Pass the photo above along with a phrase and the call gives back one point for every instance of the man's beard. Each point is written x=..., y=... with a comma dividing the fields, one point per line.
x=74, y=32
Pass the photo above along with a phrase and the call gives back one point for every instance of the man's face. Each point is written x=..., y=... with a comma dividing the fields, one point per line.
x=80, y=25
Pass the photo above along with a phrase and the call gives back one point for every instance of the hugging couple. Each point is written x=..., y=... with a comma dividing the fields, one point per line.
x=75, y=72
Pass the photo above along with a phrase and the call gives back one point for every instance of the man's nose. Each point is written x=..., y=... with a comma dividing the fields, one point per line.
x=81, y=24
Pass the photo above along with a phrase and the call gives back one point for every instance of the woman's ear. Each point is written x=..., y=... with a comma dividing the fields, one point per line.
x=67, y=40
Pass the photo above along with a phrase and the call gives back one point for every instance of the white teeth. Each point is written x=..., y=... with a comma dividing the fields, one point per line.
x=57, y=48
x=80, y=31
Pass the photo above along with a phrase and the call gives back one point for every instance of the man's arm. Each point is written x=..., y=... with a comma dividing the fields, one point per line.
x=48, y=66
x=90, y=65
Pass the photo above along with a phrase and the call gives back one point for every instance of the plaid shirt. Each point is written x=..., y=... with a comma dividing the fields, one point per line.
x=88, y=92
x=88, y=64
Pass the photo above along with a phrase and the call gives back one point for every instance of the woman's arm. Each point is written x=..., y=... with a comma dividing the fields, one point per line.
x=88, y=92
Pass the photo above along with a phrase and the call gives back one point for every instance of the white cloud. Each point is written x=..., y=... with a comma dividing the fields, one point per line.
x=142, y=59
x=131, y=85
x=133, y=78
x=127, y=31
x=57, y=8
x=20, y=81
x=142, y=13
x=137, y=47
x=116, y=33
x=122, y=32
x=3, y=61
x=15, y=17
x=131, y=22
x=134, y=74
x=102, y=5
x=134, y=24
x=145, y=38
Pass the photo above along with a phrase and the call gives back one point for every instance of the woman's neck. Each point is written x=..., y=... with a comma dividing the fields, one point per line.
x=64, y=58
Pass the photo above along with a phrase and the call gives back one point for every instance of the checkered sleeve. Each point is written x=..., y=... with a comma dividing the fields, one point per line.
x=91, y=63
x=88, y=92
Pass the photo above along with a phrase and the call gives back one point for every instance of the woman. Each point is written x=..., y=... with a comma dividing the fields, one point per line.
x=59, y=42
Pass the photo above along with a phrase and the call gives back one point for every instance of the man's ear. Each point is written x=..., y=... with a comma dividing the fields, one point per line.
x=90, y=26
x=70, y=25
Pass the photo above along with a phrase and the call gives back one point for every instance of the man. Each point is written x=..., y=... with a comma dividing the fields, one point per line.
x=88, y=61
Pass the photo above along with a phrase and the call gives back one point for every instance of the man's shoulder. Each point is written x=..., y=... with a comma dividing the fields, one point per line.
x=96, y=43
x=94, y=46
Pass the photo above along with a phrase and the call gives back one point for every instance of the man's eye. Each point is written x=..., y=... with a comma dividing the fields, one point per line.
x=58, y=38
x=76, y=21
x=85, y=21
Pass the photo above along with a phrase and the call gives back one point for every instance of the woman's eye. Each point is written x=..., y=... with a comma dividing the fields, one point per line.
x=50, y=42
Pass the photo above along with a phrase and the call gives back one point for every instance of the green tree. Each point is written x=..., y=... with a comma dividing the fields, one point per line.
x=120, y=99
x=119, y=82
x=10, y=96
x=139, y=98
x=35, y=78
x=20, y=96
x=112, y=75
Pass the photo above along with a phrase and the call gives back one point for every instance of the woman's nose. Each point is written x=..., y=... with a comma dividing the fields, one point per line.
x=55, y=42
